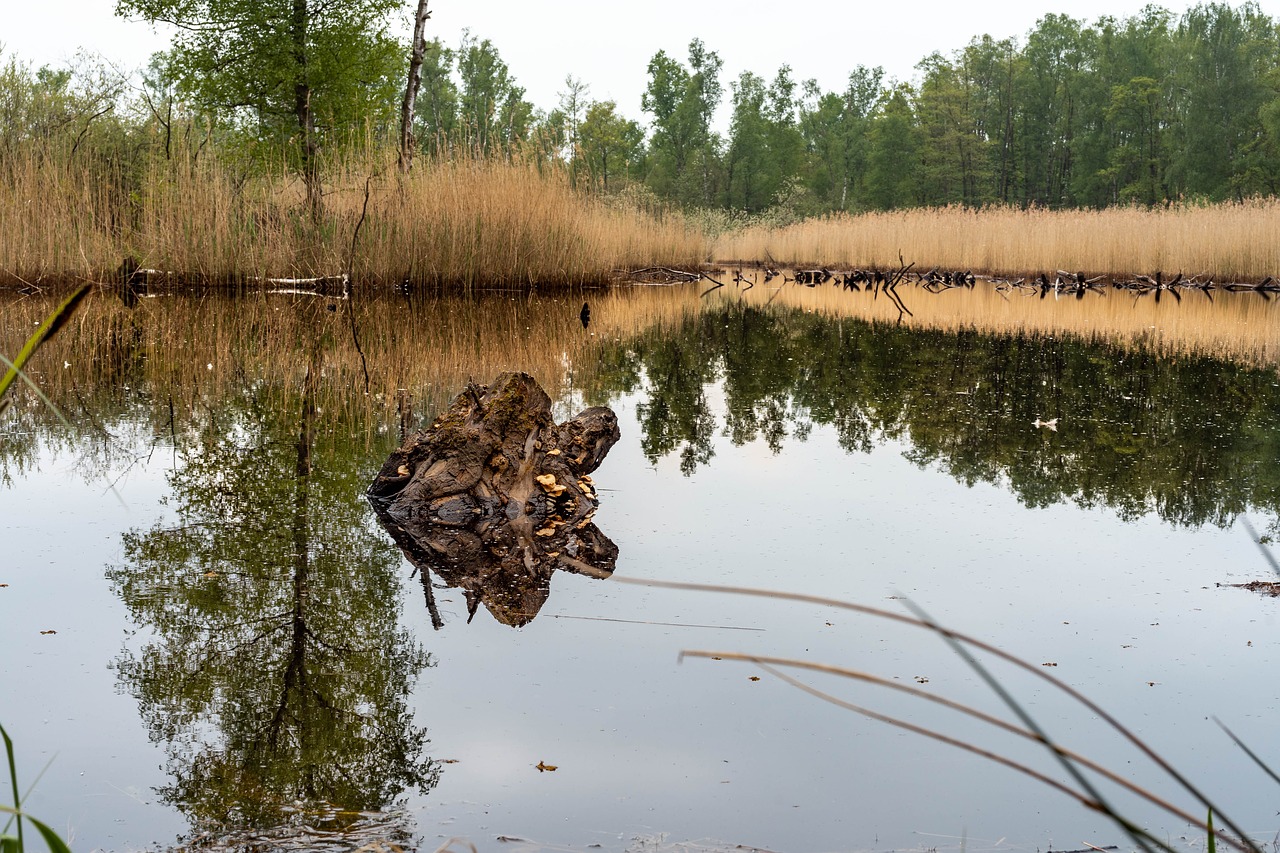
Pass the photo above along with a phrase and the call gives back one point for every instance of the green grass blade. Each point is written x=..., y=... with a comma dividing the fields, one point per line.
x=47, y=330
x=54, y=841
x=1213, y=839
x=13, y=780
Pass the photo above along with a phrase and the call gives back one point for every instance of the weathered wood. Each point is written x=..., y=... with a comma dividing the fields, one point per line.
x=417, y=52
x=495, y=496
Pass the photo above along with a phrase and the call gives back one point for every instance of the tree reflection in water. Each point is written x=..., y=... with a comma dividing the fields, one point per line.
x=271, y=663
x=1191, y=439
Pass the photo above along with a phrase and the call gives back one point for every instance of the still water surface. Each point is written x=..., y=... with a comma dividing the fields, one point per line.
x=243, y=657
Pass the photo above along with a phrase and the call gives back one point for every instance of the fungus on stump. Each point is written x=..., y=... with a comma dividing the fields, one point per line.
x=495, y=496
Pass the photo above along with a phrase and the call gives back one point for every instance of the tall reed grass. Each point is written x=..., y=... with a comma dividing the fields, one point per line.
x=470, y=222
x=1235, y=241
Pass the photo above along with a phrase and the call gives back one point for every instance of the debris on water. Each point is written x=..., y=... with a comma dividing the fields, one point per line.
x=1269, y=588
x=544, y=766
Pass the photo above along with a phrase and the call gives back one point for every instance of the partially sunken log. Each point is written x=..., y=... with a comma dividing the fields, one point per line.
x=494, y=497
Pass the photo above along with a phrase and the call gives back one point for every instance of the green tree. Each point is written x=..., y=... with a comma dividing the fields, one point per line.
x=991, y=68
x=835, y=128
x=684, y=149
x=892, y=156
x=299, y=69
x=1049, y=92
x=952, y=149
x=437, y=104
x=1223, y=58
x=1136, y=116
x=748, y=182
x=608, y=143
x=493, y=112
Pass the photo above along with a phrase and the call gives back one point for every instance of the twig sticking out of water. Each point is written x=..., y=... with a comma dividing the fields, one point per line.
x=965, y=642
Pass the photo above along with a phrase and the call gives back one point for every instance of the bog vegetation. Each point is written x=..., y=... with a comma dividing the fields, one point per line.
x=278, y=140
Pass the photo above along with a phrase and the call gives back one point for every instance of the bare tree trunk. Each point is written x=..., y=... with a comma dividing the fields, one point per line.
x=300, y=21
x=411, y=86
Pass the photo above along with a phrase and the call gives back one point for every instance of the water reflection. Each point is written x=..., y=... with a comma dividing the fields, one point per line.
x=495, y=497
x=267, y=658
x=271, y=665
x=1190, y=439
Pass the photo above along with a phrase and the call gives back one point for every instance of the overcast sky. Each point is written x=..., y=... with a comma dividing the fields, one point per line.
x=608, y=44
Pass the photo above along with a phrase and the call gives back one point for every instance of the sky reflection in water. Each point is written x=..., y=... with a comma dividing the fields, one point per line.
x=278, y=652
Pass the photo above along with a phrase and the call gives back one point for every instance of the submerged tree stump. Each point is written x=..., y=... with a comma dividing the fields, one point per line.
x=495, y=496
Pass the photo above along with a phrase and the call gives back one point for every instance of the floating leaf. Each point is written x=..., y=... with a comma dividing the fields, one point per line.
x=542, y=765
x=49, y=632
x=754, y=678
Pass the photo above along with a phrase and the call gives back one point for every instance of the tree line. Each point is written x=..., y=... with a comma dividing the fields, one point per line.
x=1148, y=109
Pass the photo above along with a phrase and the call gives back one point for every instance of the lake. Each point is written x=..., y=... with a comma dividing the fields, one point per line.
x=209, y=641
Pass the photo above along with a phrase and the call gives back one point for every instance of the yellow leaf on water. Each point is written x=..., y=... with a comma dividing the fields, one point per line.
x=542, y=765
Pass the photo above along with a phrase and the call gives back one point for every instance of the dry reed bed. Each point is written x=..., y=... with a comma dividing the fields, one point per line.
x=1229, y=242
x=1240, y=327
x=466, y=222
x=194, y=351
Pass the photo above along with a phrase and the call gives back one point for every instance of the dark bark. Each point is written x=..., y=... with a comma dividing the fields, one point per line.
x=300, y=22
x=495, y=496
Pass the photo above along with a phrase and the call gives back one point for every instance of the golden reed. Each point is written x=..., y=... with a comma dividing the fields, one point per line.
x=1228, y=242
x=1239, y=327
x=420, y=351
x=495, y=222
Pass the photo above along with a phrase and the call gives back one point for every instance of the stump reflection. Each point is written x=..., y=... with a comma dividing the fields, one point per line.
x=494, y=497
